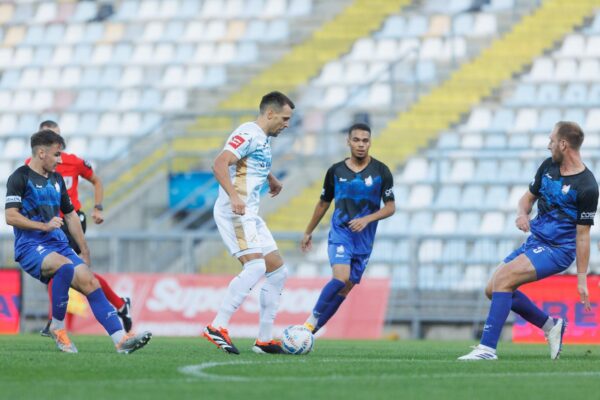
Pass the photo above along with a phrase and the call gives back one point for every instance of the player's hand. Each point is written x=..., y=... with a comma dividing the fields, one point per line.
x=97, y=216
x=522, y=222
x=275, y=186
x=583, y=291
x=358, y=224
x=306, y=242
x=54, y=223
x=238, y=206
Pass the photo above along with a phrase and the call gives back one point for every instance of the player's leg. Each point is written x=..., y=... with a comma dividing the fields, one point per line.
x=237, y=291
x=505, y=281
x=270, y=296
x=240, y=235
x=122, y=304
x=85, y=282
x=61, y=270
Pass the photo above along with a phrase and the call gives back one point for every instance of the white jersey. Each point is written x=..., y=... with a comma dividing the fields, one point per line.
x=252, y=147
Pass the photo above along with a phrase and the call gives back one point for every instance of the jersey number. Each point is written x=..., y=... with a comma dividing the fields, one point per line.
x=538, y=250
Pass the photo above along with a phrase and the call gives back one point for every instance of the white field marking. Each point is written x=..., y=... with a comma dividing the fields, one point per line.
x=200, y=371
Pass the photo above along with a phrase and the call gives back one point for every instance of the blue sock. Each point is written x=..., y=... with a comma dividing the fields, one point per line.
x=104, y=312
x=330, y=311
x=61, y=282
x=327, y=295
x=501, y=303
x=529, y=311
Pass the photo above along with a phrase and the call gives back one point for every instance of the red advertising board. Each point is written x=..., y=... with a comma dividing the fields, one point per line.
x=10, y=301
x=558, y=297
x=182, y=305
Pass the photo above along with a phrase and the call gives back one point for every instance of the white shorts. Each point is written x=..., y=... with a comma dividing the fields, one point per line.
x=244, y=234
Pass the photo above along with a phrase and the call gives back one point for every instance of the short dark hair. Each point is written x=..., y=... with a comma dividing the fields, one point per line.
x=275, y=99
x=46, y=137
x=571, y=132
x=359, y=126
x=48, y=124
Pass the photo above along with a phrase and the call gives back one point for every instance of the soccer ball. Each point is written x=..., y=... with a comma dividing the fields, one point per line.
x=297, y=339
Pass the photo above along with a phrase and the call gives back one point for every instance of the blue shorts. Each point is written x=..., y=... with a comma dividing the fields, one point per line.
x=547, y=260
x=32, y=258
x=341, y=254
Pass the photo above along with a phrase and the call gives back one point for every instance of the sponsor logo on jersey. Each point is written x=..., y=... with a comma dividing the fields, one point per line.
x=565, y=189
x=40, y=249
x=369, y=181
x=343, y=179
x=236, y=141
x=389, y=192
x=588, y=215
x=13, y=199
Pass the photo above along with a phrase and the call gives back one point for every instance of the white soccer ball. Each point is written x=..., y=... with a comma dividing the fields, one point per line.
x=297, y=339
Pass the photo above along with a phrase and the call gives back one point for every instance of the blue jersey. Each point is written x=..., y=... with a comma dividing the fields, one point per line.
x=356, y=194
x=39, y=199
x=563, y=203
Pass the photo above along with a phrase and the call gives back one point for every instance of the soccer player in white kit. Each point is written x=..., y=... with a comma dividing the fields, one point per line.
x=242, y=169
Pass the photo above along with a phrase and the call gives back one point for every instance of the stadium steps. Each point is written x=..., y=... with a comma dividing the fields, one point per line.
x=447, y=103
x=295, y=68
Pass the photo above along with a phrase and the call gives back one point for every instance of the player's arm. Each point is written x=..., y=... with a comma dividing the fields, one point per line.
x=221, y=171
x=524, y=208
x=15, y=218
x=358, y=224
x=76, y=231
x=275, y=185
x=320, y=210
x=582, y=249
x=15, y=191
x=97, y=214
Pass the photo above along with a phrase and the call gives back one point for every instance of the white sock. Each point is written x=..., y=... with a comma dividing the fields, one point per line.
x=238, y=289
x=117, y=336
x=312, y=320
x=548, y=325
x=56, y=324
x=270, y=295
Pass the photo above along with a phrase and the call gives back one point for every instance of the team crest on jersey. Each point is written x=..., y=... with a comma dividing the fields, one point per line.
x=57, y=187
x=369, y=181
x=340, y=249
x=565, y=189
x=236, y=141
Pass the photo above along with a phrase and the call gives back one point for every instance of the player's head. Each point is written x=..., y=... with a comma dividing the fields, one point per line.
x=51, y=125
x=46, y=148
x=359, y=140
x=275, y=112
x=565, y=137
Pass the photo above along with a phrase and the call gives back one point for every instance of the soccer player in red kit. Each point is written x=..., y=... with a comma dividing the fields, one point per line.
x=71, y=168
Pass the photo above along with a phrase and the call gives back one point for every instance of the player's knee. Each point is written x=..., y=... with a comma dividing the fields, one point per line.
x=346, y=290
x=488, y=292
x=279, y=276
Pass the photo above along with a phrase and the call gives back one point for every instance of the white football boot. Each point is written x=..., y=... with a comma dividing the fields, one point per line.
x=555, y=337
x=479, y=353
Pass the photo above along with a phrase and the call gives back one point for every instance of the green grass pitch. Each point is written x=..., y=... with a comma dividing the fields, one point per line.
x=180, y=368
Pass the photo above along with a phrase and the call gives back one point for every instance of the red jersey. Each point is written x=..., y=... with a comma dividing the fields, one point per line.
x=71, y=168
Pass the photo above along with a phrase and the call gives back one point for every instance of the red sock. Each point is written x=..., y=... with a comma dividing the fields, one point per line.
x=50, y=299
x=112, y=297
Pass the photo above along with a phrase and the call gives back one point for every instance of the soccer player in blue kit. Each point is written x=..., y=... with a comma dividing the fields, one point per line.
x=567, y=195
x=358, y=184
x=35, y=194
